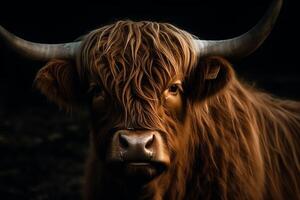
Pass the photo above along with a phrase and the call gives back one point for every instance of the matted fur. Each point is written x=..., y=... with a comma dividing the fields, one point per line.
x=248, y=145
x=136, y=60
x=233, y=142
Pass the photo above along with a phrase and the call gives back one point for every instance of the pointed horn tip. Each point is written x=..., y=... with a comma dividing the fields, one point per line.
x=245, y=44
x=39, y=51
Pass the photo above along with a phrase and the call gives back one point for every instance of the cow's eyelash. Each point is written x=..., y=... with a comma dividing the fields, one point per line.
x=178, y=85
x=94, y=90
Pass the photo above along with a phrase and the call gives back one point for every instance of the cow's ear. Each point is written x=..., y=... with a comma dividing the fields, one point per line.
x=59, y=82
x=210, y=76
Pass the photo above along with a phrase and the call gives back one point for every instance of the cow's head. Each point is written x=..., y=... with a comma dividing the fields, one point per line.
x=138, y=78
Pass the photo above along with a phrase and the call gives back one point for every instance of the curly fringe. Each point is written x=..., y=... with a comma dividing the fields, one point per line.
x=135, y=62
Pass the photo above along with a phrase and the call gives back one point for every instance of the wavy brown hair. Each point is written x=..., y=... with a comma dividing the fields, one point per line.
x=134, y=62
x=232, y=142
x=248, y=145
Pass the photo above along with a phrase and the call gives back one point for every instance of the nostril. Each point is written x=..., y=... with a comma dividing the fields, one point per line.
x=123, y=141
x=150, y=142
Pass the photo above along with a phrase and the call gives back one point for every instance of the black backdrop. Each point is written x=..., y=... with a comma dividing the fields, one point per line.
x=42, y=149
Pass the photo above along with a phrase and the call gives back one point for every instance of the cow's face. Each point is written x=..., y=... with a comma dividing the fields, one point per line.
x=137, y=79
x=137, y=145
x=135, y=83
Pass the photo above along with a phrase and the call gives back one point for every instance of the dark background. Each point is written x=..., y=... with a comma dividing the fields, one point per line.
x=42, y=149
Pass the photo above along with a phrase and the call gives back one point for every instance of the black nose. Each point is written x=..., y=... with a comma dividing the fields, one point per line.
x=136, y=146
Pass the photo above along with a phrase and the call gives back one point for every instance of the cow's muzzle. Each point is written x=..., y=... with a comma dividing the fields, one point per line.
x=138, y=155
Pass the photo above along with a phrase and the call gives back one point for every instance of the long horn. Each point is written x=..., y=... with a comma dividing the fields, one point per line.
x=39, y=51
x=245, y=44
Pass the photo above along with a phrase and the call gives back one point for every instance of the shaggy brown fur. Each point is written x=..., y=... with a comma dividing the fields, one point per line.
x=232, y=141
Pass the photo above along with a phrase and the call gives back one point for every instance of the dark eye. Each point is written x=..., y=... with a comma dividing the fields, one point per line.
x=94, y=90
x=174, y=89
x=97, y=97
x=97, y=92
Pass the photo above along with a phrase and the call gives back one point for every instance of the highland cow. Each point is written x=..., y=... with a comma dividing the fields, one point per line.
x=170, y=119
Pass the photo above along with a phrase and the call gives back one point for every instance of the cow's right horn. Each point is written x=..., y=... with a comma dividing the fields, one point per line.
x=243, y=45
x=39, y=51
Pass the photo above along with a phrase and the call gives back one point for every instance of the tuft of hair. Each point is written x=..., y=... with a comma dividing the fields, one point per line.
x=136, y=60
x=57, y=80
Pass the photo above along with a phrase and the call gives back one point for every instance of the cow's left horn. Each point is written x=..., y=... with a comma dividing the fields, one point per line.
x=39, y=51
x=245, y=44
